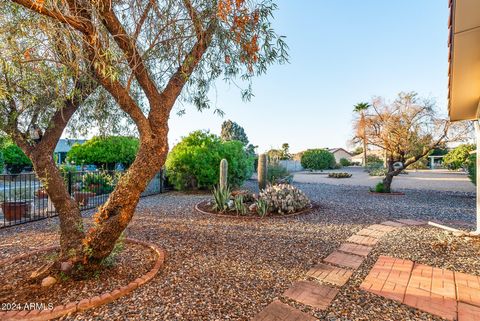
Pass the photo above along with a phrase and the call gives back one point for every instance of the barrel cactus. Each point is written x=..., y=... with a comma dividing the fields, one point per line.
x=262, y=171
x=223, y=174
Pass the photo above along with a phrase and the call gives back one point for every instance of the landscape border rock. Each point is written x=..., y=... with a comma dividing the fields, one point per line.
x=304, y=211
x=85, y=304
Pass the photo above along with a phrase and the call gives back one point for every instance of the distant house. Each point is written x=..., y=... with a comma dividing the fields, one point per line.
x=340, y=153
x=63, y=146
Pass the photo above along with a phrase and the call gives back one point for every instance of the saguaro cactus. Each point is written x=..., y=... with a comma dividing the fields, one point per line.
x=223, y=174
x=262, y=171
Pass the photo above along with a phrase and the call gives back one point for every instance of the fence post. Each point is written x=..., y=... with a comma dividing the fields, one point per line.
x=69, y=182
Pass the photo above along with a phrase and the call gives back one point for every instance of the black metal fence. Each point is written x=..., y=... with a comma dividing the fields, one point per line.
x=23, y=199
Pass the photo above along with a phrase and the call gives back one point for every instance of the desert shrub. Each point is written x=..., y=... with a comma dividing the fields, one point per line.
x=379, y=188
x=284, y=199
x=379, y=171
x=14, y=158
x=317, y=159
x=344, y=162
x=194, y=162
x=98, y=182
x=277, y=174
x=471, y=165
x=339, y=175
x=374, y=159
x=105, y=152
x=456, y=158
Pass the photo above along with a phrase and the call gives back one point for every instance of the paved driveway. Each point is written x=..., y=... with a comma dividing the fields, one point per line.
x=441, y=180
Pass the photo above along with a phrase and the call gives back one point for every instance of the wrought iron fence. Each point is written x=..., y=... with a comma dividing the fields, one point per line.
x=23, y=198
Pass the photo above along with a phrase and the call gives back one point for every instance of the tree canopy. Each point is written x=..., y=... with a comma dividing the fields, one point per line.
x=105, y=151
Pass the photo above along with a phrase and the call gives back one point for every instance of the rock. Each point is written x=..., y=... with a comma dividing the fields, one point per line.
x=49, y=281
x=230, y=204
x=252, y=208
x=459, y=233
x=66, y=266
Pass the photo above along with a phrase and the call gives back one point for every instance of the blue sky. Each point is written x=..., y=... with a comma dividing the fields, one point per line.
x=341, y=52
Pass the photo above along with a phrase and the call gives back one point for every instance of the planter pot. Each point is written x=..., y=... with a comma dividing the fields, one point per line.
x=82, y=197
x=41, y=193
x=14, y=211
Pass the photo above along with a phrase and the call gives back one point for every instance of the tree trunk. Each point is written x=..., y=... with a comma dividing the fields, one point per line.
x=115, y=215
x=364, y=151
x=71, y=223
x=391, y=172
x=387, y=182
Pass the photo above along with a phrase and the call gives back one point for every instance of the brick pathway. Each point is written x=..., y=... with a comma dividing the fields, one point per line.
x=335, y=271
x=330, y=274
x=311, y=293
x=344, y=259
x=278, y=311
x=357, y=249
x=450, y=295
x=363, y=240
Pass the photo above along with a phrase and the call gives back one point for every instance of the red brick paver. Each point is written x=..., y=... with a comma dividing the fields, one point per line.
x=363, y=240
x=389, y=278
x=344, y=259
x=372, y=233
x=313, y=294
x=357, y=249
x=330, y=274
x=467, y=312
x=392, y=223
x=450, y=295
x=468, y=288
x=278, y=311
x=432, y=290
x=411, y=222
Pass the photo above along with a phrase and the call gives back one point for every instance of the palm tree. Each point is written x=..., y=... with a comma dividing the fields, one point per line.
x=361, y=109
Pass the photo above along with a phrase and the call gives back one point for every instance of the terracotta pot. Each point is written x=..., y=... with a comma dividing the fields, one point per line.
x=82, y=197
x=14, y=211
x=41, y=193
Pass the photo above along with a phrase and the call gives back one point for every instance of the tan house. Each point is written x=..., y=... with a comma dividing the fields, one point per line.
x=464, y=72
x=340, y=153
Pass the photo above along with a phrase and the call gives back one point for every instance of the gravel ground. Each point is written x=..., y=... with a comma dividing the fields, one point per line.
x=230, y=269
x=438, y=179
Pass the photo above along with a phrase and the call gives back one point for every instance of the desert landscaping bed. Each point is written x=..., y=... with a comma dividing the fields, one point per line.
x=131, y=263
x=232, y=269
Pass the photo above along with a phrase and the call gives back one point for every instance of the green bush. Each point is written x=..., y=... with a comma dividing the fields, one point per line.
x=14, y=158
x=317, y=159
x=277, y=174
x=2, y=162
x=379, y=188
x=194, y=162
x=471, y=165
x=105, y=152
x=344, y=162
x=456, y=158
x=98, y=182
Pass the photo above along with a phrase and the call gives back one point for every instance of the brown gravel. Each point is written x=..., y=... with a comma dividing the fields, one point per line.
x=224, y=269
x=17, y=289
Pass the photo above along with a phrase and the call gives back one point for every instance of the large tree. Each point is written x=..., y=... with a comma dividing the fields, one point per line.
x=361, y=110
x=407, y=129
x=146, y=55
